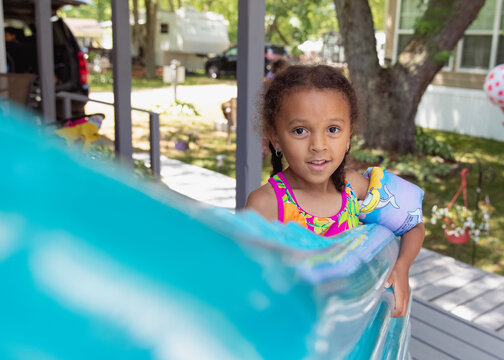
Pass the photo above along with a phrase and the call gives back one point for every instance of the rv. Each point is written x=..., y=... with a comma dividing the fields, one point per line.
x=186, y=35
x=189, y=36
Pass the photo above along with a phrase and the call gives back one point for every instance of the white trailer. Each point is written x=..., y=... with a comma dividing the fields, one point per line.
x=186, y=35
x=189, y=36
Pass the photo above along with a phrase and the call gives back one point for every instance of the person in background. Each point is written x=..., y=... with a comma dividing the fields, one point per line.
x=11, y=34
x=277, y=66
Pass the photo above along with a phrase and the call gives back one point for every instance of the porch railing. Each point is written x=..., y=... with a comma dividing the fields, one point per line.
x=154, y=135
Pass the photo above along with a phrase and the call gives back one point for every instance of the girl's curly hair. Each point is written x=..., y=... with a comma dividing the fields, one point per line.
x=305, y=77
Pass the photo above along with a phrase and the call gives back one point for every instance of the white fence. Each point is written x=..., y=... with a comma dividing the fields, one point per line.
x=464, y=111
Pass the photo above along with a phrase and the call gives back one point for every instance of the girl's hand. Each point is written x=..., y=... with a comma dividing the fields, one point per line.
x=399, y=279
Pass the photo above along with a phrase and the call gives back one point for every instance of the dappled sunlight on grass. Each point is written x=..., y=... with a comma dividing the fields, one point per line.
x=489, y=250
x=204, y=149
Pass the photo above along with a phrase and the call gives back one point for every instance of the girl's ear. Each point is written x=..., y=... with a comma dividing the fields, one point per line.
x=273, y=138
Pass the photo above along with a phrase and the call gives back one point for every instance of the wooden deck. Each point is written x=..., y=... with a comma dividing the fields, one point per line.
x=457, y=311
x=463, y=290
x=437, y=335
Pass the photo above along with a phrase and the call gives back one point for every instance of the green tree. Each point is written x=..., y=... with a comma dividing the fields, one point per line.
x=146, y=39
x=291, y=22
x=227, y=8
x=378, y=11
x=100, y=11
x=390, y=96
x=149, y=41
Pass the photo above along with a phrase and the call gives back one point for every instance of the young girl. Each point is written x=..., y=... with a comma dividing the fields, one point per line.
x=309, y=114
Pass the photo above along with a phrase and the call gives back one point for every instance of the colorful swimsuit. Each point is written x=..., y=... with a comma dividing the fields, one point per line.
x=289, y=210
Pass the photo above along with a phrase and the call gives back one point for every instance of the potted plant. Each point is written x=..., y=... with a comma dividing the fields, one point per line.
x=461, y=224
x=182, y=139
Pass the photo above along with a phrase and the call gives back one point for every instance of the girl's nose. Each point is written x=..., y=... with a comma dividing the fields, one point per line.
x=317, y=143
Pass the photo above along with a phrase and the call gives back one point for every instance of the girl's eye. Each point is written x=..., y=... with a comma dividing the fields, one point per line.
x=299, y=131
x=333, y=129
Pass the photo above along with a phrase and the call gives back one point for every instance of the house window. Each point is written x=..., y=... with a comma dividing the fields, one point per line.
x=411, y=10
x=482, y=46
x=165, y=28
x=478, y=51
x=475, y=52
x=408, y=14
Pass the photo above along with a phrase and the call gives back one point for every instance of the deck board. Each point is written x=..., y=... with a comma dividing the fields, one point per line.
x=449, y=283
x=467, y=292
x=443, y=334
x=430, y=277
x=492, y=319
x=480, y=305
x=427, y=263
x=420, y=350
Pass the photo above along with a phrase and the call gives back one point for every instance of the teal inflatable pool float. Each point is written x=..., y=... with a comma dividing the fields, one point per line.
x=98, y=265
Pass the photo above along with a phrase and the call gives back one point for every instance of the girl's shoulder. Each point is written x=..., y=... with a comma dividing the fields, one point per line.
x=358, y=183
x=263, y=200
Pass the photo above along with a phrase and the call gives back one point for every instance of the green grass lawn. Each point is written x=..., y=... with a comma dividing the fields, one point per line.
x=489, y=250
x=104, y=81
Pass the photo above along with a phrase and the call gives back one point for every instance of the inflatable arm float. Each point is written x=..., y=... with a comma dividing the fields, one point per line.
x=391, y=201
x=94, y=267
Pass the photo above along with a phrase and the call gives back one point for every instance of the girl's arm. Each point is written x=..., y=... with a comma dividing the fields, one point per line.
x=263, y=200
x=358, y=182
x=411, y=243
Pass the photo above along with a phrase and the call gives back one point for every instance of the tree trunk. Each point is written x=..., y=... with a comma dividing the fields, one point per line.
x=170, y=4
x=389, y=97
x=101, y=5
x=208, y=5
x=136, y=25
x=282, y=37
x=151, y=7
x=271, y=29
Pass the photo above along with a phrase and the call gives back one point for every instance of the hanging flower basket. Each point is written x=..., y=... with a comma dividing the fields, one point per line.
x=460, y=224
x=456, y=235
x=457, y=239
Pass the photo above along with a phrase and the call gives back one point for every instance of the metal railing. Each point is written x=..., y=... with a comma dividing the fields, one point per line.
x=154, y=135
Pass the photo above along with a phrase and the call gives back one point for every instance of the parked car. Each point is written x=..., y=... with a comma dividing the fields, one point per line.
x=70, y=68
x=225, y=62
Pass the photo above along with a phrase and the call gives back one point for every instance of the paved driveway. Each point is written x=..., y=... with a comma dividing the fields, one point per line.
x=206, y=98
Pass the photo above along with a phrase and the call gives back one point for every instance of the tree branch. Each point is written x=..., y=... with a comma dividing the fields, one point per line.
x=271, y=29
x=282, y=37
x=172, y=7
x=440, y=28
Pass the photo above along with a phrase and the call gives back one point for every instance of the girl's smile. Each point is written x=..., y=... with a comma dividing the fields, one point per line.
x=313, y=130
x=318, y=165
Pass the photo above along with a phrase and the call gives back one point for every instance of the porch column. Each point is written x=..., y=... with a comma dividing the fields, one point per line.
x=250, y=74
x=45, y=59
x=3, y=53
x=121, y=61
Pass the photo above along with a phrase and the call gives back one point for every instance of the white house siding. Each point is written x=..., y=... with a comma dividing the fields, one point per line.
x=464, y=111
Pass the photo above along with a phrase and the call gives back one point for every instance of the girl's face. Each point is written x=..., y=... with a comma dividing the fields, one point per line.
x=313, y=130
